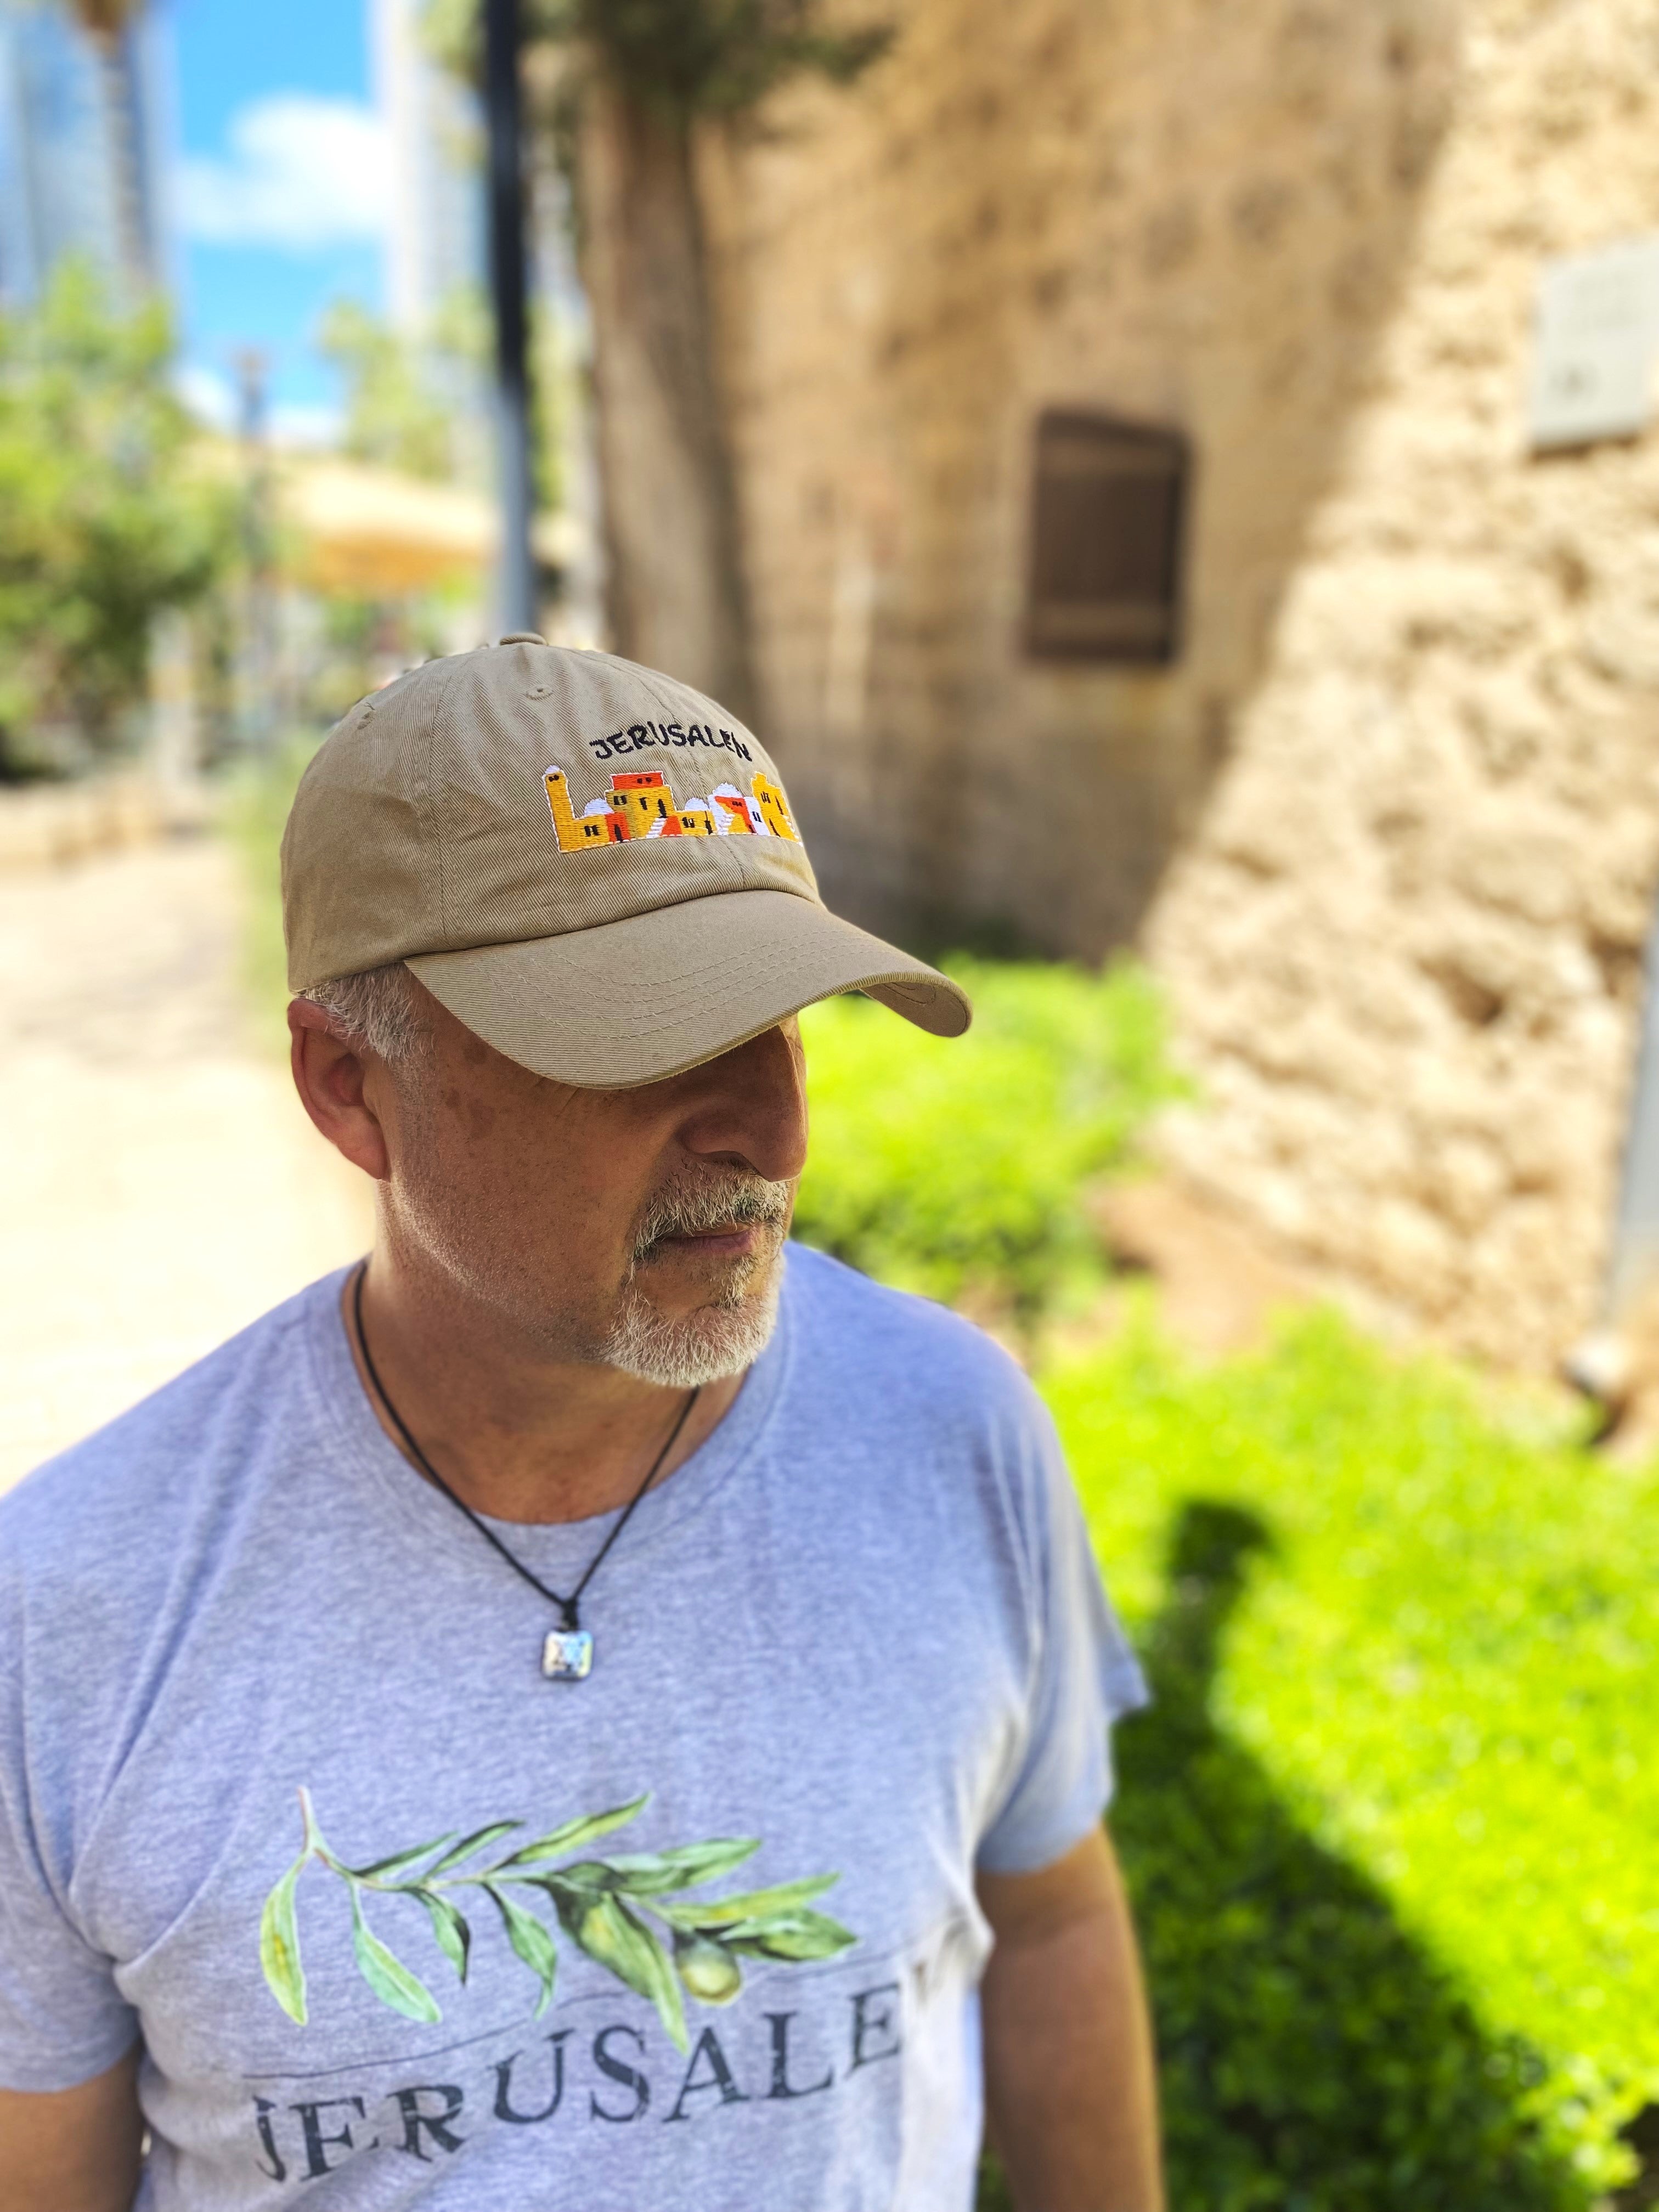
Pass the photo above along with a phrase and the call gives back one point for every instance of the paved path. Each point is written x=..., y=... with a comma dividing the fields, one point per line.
x=164, y=1186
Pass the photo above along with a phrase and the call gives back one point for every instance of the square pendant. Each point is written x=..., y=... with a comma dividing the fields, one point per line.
x=567, y=1655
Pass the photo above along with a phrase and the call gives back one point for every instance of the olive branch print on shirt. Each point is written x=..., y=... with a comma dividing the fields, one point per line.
x=605, y=1906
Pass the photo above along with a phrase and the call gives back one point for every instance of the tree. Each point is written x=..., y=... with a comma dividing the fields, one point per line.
x=643, y=76
x=415, y=405
x=393, y=416
x=104, y=518
x=655, y=67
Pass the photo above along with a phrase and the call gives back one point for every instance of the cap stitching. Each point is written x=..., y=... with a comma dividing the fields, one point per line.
x=743, y=959
x=665, y=905
x=692, y=984
x=750, y=875
x=637, y=1033
x=744, y=857
x=681, y=1000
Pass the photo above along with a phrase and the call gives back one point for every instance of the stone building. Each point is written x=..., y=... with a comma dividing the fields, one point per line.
x=1389, y=823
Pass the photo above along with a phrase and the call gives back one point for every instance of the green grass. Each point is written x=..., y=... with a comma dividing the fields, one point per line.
x=1390, y=1826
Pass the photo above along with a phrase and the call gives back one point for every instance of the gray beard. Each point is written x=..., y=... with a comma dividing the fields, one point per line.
x=714, y=1341
x=732, y=1331
x=703, y=1346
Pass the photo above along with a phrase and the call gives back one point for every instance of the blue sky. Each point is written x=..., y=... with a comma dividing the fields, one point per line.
x=279, y=192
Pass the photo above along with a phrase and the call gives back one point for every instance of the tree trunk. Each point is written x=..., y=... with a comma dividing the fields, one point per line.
x=675, y=590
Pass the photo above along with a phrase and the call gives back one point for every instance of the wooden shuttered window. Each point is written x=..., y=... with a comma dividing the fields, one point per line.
x=1108, y=510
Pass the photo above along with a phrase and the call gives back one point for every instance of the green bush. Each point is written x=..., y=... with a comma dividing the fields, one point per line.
x=1388, y=1824
x=953, y=1167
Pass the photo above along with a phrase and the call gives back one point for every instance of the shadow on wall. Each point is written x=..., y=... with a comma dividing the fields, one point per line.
x=1312, y=2056
x=1178, y=212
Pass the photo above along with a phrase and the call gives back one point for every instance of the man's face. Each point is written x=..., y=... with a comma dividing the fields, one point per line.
x=642, y=1228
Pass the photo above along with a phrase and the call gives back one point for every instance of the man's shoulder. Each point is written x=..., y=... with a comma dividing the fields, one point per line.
x=919, y=1413
x=113, y=1493
x=899, y=1342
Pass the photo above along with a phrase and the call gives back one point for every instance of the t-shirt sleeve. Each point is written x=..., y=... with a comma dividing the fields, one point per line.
x=1085, y=1675
x=61, y=2019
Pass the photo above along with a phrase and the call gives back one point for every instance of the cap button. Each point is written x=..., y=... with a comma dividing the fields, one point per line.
x=522, y=637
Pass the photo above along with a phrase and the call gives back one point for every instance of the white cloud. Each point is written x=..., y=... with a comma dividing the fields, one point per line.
x=302, y=171
x=207, y=394
x=308, y=428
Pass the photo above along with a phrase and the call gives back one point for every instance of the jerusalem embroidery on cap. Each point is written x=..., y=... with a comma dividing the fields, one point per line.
x=641, y=804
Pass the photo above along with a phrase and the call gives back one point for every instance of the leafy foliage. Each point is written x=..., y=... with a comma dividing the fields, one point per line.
x=605, y=1906
x=103, y=522
x=394, y=417
x=712, y=57
x=950, y=1166
x=992, y=2195
x=688, y=57
x=1389, y=1823
x=415, y=405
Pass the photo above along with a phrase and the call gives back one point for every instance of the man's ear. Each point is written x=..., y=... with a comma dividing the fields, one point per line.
x=331, y=1081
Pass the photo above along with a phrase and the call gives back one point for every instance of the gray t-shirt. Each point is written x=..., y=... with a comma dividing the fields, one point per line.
x=277, y=1761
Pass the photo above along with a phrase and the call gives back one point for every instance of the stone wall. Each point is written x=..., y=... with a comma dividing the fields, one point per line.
x=1390, y=828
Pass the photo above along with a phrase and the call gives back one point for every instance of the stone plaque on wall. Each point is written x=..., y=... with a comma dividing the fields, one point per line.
x=1107, y=508
x=1595, y=339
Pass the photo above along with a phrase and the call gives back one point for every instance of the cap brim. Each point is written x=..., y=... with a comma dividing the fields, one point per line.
x=633, y=1001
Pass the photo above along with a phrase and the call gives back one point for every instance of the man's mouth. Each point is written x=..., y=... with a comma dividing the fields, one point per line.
x=742, y=1222
x=732, y=1240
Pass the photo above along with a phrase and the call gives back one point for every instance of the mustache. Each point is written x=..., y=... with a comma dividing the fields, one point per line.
x=696, y=1208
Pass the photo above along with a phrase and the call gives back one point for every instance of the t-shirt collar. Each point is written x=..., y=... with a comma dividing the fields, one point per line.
x=365, y=1454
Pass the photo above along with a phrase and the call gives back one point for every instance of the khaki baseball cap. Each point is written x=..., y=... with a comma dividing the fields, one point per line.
x=595, y=868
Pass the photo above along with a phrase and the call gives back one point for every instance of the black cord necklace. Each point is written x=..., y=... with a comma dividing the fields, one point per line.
x=567, y=1654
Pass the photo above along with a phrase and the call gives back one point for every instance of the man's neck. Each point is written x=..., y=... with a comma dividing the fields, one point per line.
x=515, y=1434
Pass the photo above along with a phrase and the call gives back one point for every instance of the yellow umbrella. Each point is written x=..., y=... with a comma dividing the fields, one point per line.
x=373, y=533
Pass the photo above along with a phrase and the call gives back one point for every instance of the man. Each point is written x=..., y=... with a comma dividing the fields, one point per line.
x=588, y=1712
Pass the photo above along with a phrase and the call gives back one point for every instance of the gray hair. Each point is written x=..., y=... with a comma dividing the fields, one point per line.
x=374, y=1009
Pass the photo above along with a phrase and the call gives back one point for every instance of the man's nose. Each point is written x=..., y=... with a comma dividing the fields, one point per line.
x=748, y=1107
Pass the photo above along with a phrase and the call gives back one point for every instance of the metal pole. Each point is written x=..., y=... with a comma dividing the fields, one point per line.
x=516, y=580
x=1633, y=1263
x=1601, y=1364
x=256, y=705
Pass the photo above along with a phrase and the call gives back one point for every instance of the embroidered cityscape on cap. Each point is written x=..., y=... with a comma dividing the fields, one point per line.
x=641, y=804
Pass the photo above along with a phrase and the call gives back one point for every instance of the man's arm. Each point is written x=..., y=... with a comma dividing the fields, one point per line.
x=72, y=2150
x=1070, y=2094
